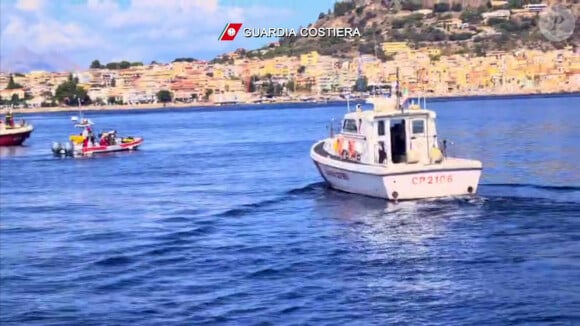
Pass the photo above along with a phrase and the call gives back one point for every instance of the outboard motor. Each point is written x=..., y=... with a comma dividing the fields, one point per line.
x=68, y=149
x=57, y=148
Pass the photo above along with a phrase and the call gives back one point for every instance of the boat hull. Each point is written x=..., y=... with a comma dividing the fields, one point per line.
x=456, y=178
x=77, y=150
x=87, y=151
x=15, y=137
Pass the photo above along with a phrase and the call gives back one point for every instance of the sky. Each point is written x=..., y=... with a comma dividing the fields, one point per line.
x=142, y=30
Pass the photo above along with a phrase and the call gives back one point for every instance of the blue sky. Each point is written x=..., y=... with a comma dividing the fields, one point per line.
x=142, y=30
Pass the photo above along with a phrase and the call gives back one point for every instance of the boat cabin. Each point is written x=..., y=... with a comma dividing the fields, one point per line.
x=389, y=134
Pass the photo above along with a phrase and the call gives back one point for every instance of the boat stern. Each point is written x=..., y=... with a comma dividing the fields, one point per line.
x=454, y=177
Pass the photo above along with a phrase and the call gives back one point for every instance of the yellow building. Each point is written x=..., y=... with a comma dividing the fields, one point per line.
x=395, y=47
x=309, y=59
x=432, y=51
x=8, y=93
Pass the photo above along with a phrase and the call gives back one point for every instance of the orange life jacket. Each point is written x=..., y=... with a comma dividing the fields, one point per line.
x=339, y=141
x=351, y=150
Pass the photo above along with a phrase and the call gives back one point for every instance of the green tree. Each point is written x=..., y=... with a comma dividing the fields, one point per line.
x=411, y=5
x=472, y=16
x=441, y=7
x=112, y=65
x=278, y=89
x=290, y=85
x=164, y=96
x=361, y=84
x=12, y=84
x=208, y=93
x=69, y=92
x=96, y=64
x=342, y=7
x=15, y=99
x=124, y=64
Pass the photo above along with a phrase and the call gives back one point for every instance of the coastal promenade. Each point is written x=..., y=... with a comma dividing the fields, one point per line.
x=194, y=105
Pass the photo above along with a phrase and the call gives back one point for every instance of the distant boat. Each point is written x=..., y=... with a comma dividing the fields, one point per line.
x=81, y=145
x=14, y=134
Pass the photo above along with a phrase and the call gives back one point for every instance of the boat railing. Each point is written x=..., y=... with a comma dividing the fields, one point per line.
x=333, y=128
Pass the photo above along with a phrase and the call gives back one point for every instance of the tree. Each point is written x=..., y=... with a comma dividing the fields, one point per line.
x=112, y=65
x=270, y=88
x=278, y=89
x=112, y=100
x=96, y=64
x=515, y=4
x=208, y=93
x=124, y=64
x=290, y=85
x=12, y=84
x=15, y=99
x=471, y=16
x=342, y=7
x=164, y=96
x=479, y=50
x=361, y=84
x=441, y=7
x=113, y=82
x=411, y=5
x=69, y=92
x=301, y=69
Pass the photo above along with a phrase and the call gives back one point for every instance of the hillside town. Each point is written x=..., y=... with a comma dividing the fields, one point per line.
x=310, y=76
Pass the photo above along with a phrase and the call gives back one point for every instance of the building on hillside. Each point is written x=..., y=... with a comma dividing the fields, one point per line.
x=395, y=47
x=309, y=59
x=501, y=14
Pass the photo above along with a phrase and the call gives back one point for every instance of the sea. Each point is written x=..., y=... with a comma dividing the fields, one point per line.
x=221, y=218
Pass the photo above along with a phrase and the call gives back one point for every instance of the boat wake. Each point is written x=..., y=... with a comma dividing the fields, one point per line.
x=320, y=192
x=316, y=187
x=534, y=186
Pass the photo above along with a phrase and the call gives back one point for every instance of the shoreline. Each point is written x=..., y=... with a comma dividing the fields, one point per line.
x=196, y=106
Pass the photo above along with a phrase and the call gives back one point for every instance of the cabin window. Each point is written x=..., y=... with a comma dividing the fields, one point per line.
x=418, y=126
x=349, y=125
x=381, y=128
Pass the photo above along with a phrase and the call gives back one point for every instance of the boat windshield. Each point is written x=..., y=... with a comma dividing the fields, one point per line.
x=349, y=125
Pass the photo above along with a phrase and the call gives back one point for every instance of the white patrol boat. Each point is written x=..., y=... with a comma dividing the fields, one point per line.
x=392, y=152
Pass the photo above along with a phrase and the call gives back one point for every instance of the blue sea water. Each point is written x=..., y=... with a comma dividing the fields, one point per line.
x=221, y=218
